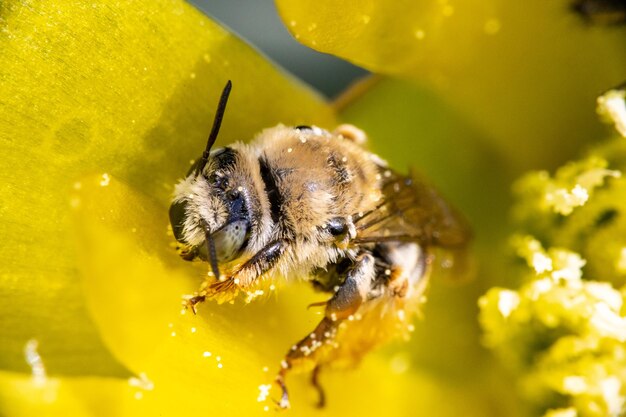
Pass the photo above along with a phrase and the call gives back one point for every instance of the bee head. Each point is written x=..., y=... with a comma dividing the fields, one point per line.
x=212, y=204
x=209, y=213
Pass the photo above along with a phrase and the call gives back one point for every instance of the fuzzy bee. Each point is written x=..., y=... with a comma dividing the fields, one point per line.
x=302, y=202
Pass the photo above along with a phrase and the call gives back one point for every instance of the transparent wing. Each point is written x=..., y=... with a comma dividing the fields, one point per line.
x=412, y=211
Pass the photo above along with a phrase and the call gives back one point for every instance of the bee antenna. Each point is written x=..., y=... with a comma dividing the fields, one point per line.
x=217, y=122
x=211, y=252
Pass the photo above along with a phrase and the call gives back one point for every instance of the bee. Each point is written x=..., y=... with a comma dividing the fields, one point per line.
x=306, y=203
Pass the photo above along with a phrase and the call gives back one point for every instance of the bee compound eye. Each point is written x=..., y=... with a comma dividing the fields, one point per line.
x=337, y=226
x=178, y=214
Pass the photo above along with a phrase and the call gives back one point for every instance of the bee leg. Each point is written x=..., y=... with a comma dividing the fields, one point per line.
x=351, y=294
x=190, y=301
x=317, y=304
x=305, y=349
x=252, y=269
x=321, y=402
x=344, y=303
x=284, y=398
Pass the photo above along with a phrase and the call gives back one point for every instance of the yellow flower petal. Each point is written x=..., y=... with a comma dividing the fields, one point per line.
x=126, y=89
x=220, y=361
x=20, y=395
x=526, y=72
x=395, y=395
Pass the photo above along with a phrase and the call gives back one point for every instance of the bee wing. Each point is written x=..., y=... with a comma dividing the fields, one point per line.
x=412, y=211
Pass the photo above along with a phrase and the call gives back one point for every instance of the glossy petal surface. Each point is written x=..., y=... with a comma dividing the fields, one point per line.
x=127, y=89
x=217, y=361
x=526, y=73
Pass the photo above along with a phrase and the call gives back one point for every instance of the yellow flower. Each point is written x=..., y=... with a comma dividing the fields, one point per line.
x=102, y=107
x=564, y=336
